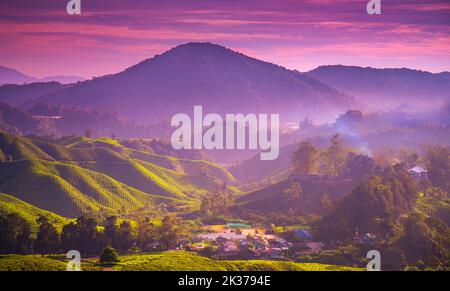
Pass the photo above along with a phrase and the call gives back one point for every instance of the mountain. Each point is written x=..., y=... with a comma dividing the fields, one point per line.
x=445, y=75
x=63, y=79
x=384, y=88
x=222, y=80
x=12, y=76
x=73, y=176
x=15, y=95
x=47, y=120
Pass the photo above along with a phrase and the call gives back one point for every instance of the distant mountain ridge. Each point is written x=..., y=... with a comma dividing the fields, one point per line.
x=13, y=76
x=63, y=79
x=222, y=80
x=15, y=95
x=382, y=88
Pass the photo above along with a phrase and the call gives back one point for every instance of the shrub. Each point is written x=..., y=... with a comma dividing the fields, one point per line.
x=109, y=255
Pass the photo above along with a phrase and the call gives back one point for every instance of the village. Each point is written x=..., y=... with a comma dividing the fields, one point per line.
x=239, y=241
x=234, y=241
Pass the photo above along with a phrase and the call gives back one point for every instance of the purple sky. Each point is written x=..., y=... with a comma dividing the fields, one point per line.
x=40, y=39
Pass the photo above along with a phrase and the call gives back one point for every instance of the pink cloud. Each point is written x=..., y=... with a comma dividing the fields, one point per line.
x=111, y=35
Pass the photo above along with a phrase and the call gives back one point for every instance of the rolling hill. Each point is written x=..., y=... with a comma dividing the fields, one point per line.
x=271, y=198
x=185, y=261
x=218, y=78
x=166, y=261
x=10, y=204
x=104, y=177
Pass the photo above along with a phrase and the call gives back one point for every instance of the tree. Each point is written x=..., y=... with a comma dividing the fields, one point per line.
x=108, y=255
x=69, y=237
x=112, y=231
x=359, y=166
x=326, y=205
x=373, y=206
x=336, y=156
x=438, y=160
x=82, y=236
x=305, y=159
x=14, y=235
x=216, y=203
x=125, y=237
x=88, y=235
x=146, y=233
x=47, y=240
x=171, y=231
x=292, y=193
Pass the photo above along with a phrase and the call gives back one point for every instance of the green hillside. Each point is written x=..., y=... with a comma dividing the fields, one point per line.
x=67, y=189
x=10, y=204
x=185, y=261
x=271, y=198
x=78, y=175
x=38, y=263
x=166, y=261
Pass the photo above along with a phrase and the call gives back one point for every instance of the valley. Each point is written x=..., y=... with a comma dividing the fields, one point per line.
x=91, y=166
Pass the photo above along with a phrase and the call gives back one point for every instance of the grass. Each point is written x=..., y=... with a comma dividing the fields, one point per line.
x=185, y=261
x=66, y=189
x=30, y=263
x=39, y=263
x=165, y=261
x=75, y=176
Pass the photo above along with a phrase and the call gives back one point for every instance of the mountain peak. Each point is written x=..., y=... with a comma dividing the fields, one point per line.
x=201, y=46
x=200, y=50
x=195, y=73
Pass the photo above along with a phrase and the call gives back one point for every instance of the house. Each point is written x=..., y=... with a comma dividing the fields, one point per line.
x=302, y=234
x=259, y=243
x=229, y=249
x=367, y=238
x=249, y=252
x=316, y=247
x=418, y=173
x=275, y=253
x=279, y=242
x=306, y=248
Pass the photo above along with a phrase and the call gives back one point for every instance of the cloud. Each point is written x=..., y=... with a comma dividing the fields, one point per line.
x=113, y=34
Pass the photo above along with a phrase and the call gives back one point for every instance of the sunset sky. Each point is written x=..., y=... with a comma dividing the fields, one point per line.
x=40, y=39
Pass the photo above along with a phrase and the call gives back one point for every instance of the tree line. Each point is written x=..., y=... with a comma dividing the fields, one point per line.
x=87, y=236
